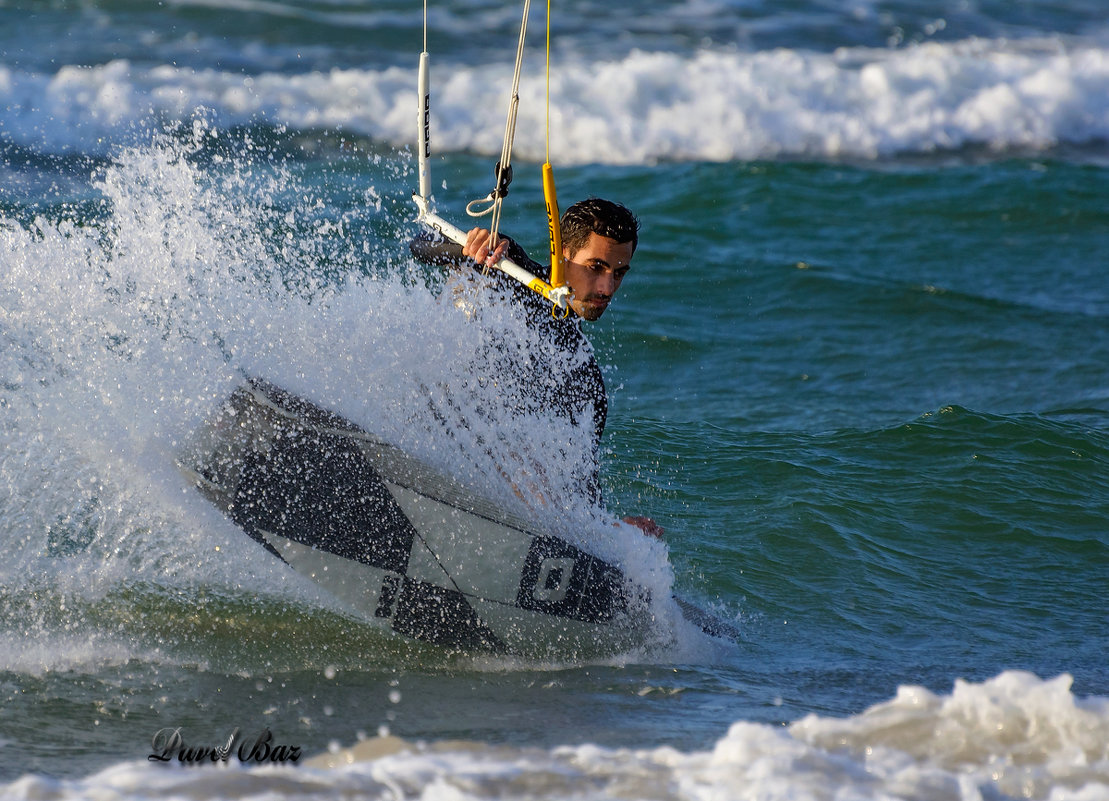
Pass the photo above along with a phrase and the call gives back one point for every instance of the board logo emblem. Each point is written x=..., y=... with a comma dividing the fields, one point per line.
x=560, y=579
x=553, y=581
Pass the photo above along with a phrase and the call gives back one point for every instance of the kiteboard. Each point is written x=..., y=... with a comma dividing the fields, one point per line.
x=399, y=544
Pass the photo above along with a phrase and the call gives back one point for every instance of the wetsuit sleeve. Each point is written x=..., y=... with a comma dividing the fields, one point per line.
x=437, y=251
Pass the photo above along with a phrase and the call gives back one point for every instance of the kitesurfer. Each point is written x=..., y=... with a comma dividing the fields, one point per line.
x=599, y=238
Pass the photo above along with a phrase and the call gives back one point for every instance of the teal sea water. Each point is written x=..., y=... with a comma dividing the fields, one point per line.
x=857, y=372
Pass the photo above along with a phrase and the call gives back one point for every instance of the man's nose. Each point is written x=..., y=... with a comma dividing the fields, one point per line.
x=606, y=283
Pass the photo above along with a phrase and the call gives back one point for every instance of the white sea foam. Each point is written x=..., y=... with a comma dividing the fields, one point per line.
x=1014, y=736
x=648, y=106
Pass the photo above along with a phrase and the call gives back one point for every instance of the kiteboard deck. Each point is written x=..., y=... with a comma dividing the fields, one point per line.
x=401, y=545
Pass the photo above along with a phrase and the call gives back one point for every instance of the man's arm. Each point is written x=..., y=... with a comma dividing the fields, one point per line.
x=646, y=525
x=444, y=253
x=438, y=252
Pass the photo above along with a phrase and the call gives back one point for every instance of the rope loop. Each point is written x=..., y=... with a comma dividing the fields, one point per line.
x=474, y=210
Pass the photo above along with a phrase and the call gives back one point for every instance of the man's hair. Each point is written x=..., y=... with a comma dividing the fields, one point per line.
x=601, y=217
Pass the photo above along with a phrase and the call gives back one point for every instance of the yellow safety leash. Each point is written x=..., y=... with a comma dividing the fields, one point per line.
x=554, y=225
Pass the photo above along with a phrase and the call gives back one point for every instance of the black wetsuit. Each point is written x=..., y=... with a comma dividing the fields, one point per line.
x=575, y=393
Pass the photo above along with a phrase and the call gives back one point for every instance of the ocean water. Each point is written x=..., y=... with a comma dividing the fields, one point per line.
x=858, y=373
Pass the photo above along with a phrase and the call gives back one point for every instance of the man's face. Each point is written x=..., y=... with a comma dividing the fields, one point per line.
x=595, y=273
